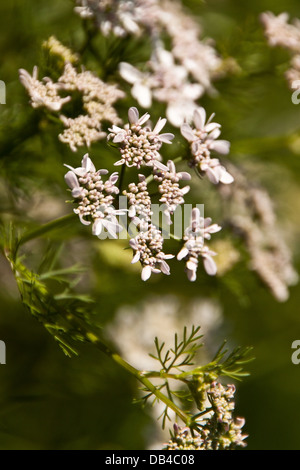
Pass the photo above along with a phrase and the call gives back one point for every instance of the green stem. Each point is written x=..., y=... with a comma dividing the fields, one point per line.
x=53, y=118
x=122, y=177
x=46, y=228
x=139, y=375
x=164, y=375
x=171, y=235
x=198, y=415
x=178, y=159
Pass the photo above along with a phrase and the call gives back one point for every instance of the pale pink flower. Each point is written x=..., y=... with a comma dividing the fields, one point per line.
x=204, y=139
x=194, y=247
x=138, y=145
x=148, y=250
x=94, y=197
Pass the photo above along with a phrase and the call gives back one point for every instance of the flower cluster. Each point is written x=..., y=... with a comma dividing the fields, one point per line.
x=221, y=431
x=221, y=400
x=139, y=200
x=293, y=74
x=94, y=197
x=119, y=17
x=198, y=57
x=56, y=49
x=194, y=246
x=148, y=250
x=139, y=146
x=183, y=439
x=177, y=77
x=250, y=213
x=171, y=193
x=42, y=93
x=203, y=140
x=166, y=82
x=279, y=32
x=83, y=130
x=97, y=98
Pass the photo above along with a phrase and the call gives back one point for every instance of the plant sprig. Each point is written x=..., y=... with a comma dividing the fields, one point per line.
x=183, y=352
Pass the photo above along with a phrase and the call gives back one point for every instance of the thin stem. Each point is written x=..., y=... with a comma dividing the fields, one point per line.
x=139, y=375
x=149, y=179
x=90, y=34
x=46, y=228
x=178, y=159
x=122, y=177
x=164, y=375
x=171, y=235
x=53, y=118
x=198, y=415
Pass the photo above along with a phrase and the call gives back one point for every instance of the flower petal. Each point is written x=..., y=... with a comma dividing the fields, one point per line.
x=146, y=273
x=187, y=132
x=199, y=118
x=87, y=163
x=133, y=115
x=184, y=175
x=221, y=146
x=142, y=94
x=182, y=253
x=226, y=178
x=136, y=257
x=129, y=73
x=212, y=175
x=97, y=227
x=159, y=125
x=166, y=138
x=165, y=268
x=71, y=180
x=144, y=119
x=209, y=265
x=119, y=138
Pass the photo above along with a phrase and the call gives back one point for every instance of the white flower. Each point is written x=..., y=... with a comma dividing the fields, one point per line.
x=180, y=110
x=94, y=197
x=147, y=247
x=279, y=32
x=139, y=145
x=171, y=193
x=139, y=202
x=166, y=82
x=120, y=17
x=42, y=93
x=203, y=140
x=81, y=131
x=195, y=235
x=141, y=82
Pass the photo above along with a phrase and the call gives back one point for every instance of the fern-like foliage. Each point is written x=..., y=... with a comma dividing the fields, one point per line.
x=48, y=293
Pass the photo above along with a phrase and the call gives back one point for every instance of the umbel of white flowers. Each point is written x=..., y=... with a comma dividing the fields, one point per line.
x=138, y=145
x=203, y=140
x=219, y=431
x=94, y=197
x=194, y=247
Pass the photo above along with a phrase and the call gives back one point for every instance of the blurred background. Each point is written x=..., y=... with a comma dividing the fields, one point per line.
x=48, y=401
